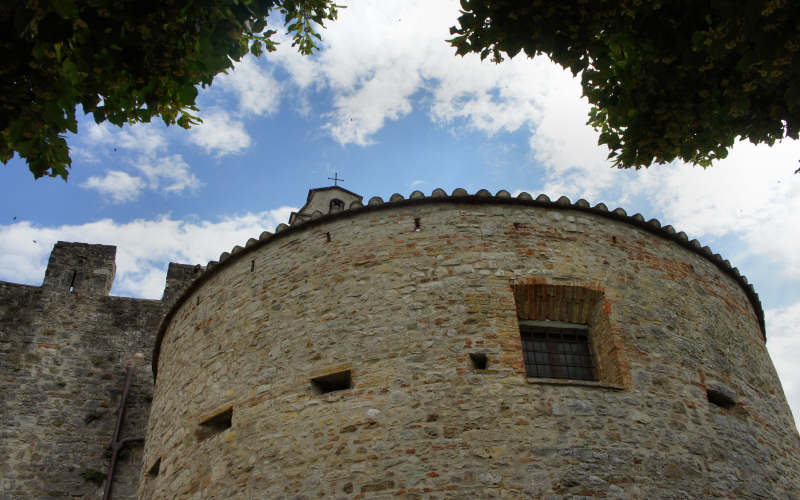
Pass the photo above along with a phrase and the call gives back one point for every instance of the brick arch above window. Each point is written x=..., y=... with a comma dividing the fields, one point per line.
x=537, y=300
x=567, y=303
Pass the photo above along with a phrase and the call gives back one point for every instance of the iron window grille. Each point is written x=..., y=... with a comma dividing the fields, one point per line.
x=554, y=349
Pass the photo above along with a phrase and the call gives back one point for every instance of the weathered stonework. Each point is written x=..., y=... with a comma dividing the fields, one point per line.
x=687, y=403
x=401, y=303
x=64, y=349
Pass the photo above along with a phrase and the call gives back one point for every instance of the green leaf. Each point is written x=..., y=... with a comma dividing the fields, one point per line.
x=65, y=8
x=187, y=94
x=141, y=62
x=70, y=70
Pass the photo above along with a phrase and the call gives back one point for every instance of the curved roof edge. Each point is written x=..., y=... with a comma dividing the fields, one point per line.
x=460, y=195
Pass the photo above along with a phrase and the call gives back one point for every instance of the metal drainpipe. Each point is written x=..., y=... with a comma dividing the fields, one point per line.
x=116, y=443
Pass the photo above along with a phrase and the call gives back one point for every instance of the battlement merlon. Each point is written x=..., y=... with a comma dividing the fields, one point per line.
x=89, y=269
x=179, y=277
x=81, y=268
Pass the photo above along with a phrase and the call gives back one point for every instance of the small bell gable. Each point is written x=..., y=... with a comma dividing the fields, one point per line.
x=326, y=200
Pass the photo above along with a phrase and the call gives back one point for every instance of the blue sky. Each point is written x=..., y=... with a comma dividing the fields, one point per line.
x=387, y=105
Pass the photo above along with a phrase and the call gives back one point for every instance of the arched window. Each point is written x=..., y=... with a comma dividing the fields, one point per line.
x=337, y=205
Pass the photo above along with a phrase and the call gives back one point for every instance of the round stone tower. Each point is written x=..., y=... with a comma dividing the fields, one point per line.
x=467, y=346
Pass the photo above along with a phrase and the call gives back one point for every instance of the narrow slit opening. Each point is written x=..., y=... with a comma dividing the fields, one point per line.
x=72, y=281
x=338, y=381
x=479, y=360
x=720, y=399
x=328, y=237
x=417, y=225
x=252, y=265
x=215, y=424
x=153, y=472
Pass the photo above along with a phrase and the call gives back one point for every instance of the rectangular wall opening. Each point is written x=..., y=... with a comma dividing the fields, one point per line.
x=215, y=424
x=720, y=398
x=479, y=360
x=338, y=381
x=153, y=471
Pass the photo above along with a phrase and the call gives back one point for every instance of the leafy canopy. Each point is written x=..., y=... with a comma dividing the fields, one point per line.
x=124, y=61
x=666, y=79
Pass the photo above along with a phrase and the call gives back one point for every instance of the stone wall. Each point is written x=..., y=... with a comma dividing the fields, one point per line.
x=401, y=296
x=64, y=349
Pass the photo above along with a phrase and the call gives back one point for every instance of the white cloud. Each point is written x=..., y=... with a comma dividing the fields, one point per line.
x=373, y=61
x=753, y=194
x=145, y=138
x=144, y=247
x=98, y=132
x=381, y=58
x=220, y=134
x=358, y=115
x=170, y=174
x=302, y=69
x=116, y=185
x=166, y=174
x=256, y=89
x=23, y=253
x=783, y=342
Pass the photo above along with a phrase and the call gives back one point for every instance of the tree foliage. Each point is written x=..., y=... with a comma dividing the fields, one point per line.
x=124, y=61
x=666, y=79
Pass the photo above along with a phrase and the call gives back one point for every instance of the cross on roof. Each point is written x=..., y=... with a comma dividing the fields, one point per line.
x=335, y=178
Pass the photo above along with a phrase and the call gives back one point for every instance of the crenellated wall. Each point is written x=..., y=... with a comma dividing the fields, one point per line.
x=395, y=298
x=64, y=350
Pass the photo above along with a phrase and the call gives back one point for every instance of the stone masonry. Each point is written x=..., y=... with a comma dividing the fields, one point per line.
x=376, y=352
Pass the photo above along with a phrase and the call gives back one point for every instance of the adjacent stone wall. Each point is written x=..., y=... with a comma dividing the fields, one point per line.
x=402, y=304
x=63, y=359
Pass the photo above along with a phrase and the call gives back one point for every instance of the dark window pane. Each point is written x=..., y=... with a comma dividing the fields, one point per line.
x=551, y=352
